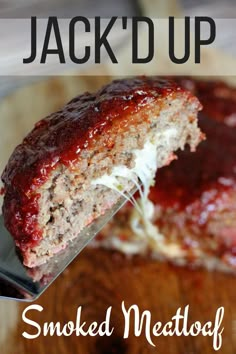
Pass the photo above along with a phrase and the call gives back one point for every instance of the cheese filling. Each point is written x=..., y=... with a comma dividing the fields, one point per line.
x=146, y=234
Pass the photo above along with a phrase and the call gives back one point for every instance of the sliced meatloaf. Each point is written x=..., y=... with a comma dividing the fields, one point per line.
x=76, y=163
x=195, y=197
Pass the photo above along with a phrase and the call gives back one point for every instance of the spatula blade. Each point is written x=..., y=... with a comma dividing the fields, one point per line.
x=27, y=284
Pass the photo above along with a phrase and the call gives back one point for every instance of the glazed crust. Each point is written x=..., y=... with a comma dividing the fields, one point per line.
x=60, y=138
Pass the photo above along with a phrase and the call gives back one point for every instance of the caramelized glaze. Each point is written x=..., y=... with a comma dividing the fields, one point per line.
x=196, y=182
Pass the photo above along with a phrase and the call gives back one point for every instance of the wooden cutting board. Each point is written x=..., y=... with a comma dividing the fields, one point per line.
x=98, y=279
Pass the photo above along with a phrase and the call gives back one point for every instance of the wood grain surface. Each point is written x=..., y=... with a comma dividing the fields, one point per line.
x=98, y=279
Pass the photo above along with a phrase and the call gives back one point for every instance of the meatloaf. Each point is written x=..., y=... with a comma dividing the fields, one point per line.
x=194, y=199
x=75, y=163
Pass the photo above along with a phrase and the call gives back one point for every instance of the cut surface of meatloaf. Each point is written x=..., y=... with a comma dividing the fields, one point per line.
x=75, y=163
x=195, y=197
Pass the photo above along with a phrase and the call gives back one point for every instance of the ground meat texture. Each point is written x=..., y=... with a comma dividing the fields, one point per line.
x=49, y=194
x=195, y=197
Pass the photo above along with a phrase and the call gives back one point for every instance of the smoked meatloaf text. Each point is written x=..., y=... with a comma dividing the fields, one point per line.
x=194, y=197
x=55, y=181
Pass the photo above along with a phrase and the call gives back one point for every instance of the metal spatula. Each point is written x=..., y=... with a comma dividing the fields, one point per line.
x=20, y=283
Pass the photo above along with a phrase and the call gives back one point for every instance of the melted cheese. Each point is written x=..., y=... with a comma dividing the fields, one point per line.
x=144, y=170
x=145, y=165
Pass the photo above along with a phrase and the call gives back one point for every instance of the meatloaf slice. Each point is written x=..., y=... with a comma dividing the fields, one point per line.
x=75, y=163
x=195, y=197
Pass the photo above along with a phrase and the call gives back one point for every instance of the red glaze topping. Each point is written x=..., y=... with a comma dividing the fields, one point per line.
x=196, y=181
x=60, y=137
